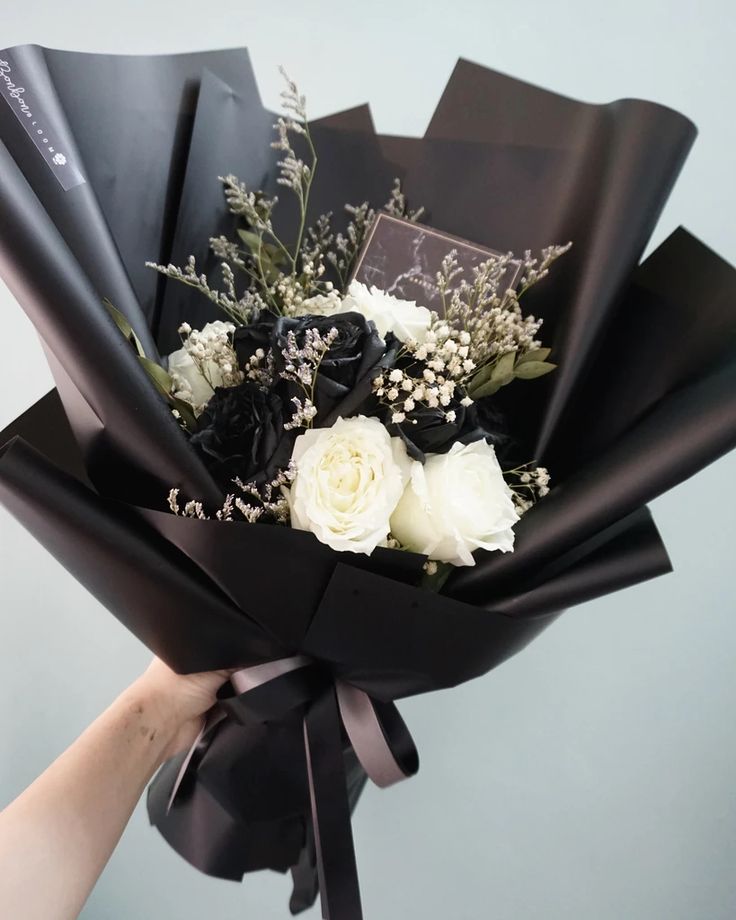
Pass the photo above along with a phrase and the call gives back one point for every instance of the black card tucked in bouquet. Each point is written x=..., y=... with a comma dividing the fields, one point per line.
x=402, y=258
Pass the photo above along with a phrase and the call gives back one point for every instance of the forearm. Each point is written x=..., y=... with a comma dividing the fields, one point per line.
x=56, y=838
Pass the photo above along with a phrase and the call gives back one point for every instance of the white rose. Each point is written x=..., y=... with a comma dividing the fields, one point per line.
x=187, y=372
x=349, y=480
x=456, y=503
x=402, y=317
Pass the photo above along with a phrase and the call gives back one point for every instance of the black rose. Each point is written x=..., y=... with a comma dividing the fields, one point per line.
x=428, y=431
x=248, y=339
x=241, y=433
x=346, y=373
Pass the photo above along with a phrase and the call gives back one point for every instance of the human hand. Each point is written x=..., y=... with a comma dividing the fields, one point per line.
x=180, y=700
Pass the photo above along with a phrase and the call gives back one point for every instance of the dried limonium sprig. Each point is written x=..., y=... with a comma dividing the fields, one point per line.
x=267, y=502
x=239, y=308
x=192, y=509
x=528, y=484
x=301, y=366
x=503, y=341
x=286, y=279
x=347, y=245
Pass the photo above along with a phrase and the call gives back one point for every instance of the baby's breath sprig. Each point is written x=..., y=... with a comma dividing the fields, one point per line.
x=528, y=483
x=212, y=352
x=271, y=498
x=430, y=376
x=296, y=174
x=260, y=368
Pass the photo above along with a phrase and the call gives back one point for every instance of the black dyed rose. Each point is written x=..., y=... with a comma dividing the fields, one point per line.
x=248, y=339
x=428, y=431
x=346, y=373
x=241, y=433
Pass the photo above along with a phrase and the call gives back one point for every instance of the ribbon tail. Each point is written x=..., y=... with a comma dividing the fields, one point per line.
x=212, y=718
x=333, y=836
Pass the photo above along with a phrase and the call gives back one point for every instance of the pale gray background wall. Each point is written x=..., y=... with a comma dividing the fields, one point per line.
x=592, y=777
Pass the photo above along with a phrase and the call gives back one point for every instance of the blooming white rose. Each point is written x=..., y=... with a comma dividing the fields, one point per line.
x=402, y=317
x=201, y=377
x=349, y=480
x=456, y=503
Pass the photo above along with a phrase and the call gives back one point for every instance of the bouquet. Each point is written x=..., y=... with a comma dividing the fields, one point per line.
x=314, y=421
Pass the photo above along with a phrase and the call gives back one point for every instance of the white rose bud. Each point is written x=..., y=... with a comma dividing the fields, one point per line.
x=404, y=318
x=182, y=365
x=456, y=503
x=349, y=480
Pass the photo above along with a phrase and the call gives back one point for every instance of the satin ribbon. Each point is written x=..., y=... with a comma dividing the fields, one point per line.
x=376, y=731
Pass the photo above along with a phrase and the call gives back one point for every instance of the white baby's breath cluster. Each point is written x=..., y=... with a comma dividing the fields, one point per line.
x=205, y=361
x=326, y=304
x=528, y=483
x=192, y=509
x=260, y=367
x=433, y=378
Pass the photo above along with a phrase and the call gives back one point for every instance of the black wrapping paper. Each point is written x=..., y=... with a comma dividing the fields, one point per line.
x=503, y=163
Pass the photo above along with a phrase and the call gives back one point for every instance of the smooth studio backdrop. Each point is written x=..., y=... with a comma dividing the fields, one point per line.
x=593, y=776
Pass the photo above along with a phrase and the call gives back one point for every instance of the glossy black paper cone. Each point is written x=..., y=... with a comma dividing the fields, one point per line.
x=517, y=167
x=129, y=431
x=504, y=164
x=132, y=118
x=64, y=190
x=682, y=414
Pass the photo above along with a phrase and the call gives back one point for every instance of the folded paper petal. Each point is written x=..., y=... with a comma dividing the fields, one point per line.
x=151, y=587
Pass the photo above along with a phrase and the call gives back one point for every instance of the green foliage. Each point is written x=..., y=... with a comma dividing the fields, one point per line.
x=508, y=367
x=158, y=375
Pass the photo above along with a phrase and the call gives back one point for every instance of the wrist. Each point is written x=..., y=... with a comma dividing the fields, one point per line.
x=151, y=717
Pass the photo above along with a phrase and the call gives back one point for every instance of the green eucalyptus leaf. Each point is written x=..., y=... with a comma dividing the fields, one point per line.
x=483, y=376
x=270, y=269
x=532, y=369
x=162, y=381
x=185, y=411
x=503, y=372
x=488, y=389
x=499, y=374
x=158, y=375
x=124, y=326
x=537, y=354
x=435, y=582
x=275, y=253
x=254, y=241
